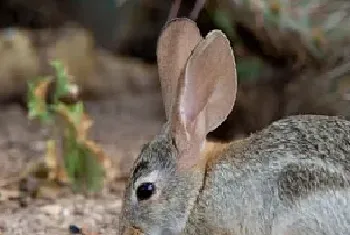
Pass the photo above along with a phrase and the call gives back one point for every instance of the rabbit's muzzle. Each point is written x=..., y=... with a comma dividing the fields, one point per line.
x=138, y=231
x=131, y=231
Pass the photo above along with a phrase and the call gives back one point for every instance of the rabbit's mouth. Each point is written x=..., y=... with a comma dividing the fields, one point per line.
x=132, y=231
x=138, y=231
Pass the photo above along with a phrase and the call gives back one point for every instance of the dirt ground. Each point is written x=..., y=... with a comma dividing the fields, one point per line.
x=121, y=125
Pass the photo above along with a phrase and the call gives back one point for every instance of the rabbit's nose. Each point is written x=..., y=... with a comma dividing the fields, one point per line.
x=132, y=231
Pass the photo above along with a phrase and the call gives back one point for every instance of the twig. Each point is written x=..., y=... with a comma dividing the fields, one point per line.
x=6, y=182
x=198, y=6
x=174, y=10
x=175, y=7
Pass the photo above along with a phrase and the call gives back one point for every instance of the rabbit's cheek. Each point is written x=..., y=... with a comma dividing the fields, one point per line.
x=156, y=200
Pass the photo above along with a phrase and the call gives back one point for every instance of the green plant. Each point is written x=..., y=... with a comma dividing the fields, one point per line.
x=68, y=125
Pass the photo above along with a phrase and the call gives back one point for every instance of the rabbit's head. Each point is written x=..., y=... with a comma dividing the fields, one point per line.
x=198, y=80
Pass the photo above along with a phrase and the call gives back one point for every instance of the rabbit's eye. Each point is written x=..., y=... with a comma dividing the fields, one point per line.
x=145, y=191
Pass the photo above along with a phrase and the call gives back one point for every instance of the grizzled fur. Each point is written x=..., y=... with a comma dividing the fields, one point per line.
x=291, y=178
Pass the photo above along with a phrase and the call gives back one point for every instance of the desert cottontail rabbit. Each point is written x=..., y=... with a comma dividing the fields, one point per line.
x=290, y=178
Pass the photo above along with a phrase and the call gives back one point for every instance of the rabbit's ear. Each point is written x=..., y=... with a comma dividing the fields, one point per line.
x=207, y=95
x=175, y=44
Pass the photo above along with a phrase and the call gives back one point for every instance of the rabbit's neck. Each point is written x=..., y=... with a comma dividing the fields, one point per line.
x=210, y=151
x=213, y=150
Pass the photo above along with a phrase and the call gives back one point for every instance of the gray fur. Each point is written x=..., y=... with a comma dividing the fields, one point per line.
x=291, y=178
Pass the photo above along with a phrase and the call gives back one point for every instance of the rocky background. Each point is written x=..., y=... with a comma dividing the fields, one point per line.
x=292, y=58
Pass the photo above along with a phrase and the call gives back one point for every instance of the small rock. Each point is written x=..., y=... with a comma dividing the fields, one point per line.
x=52, y=209
x=118, y=203
x=66, y=212
x=38, y=145
x=73, y=229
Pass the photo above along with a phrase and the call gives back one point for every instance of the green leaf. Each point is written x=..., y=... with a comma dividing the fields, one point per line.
x=62, y=81
x=71, y=153
x=77, y=111
x=93, y=170
x=82, y=166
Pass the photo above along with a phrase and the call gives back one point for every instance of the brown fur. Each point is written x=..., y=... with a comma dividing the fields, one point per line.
x=212, y=151
x=133, y=231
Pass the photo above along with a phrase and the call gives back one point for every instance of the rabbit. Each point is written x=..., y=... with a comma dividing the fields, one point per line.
x=291, y=178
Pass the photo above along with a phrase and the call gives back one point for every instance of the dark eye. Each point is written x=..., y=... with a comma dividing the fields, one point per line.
x=145, y=191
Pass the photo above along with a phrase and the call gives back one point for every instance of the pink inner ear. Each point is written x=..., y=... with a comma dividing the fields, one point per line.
x=187, y=116
x=189, y=153
x=194, y=96
x=190, y=136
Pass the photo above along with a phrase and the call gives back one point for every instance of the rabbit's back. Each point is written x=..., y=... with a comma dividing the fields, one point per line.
x=326, y=212
x=255, y=182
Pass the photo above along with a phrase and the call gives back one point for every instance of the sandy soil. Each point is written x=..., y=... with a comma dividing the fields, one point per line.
x=121, y=126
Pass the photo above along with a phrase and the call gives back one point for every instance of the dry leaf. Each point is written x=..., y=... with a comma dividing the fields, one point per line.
x=42, y=88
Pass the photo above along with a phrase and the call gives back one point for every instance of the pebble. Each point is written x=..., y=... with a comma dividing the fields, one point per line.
x=54, y=210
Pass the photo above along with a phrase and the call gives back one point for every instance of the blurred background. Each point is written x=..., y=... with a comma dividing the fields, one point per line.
x=292, y=56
